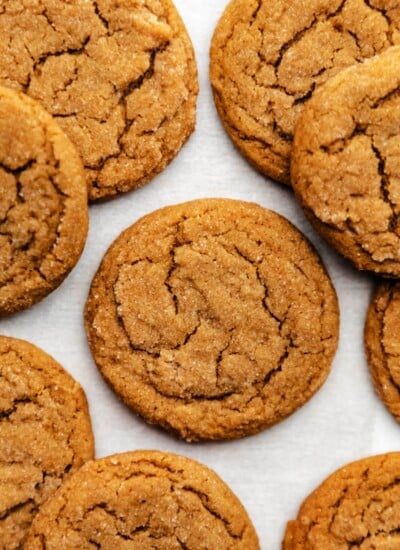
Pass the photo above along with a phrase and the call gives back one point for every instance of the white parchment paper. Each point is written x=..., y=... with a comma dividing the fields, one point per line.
x=271, y=472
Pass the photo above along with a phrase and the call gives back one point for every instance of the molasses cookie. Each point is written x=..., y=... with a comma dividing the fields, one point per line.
x=345, y=165
x=143, y=499
x=45, y=434
x=43, y=203
x=268, y=57
x=214, y=319
x=382, y=344
x=118, y=76
x=356, y=507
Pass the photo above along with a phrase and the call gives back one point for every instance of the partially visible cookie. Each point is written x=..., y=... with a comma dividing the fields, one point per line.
x=346, y=166
x=45, y=434
x=43, y=203
x=147, y=500
x=268, y=57
x=382, y=343
x=118, y=76
x=214, y=319
x=357, y=507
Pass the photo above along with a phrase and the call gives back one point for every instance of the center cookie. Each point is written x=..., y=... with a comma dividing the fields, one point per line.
x=214, y=318
x=268, y=57
x=119, y=77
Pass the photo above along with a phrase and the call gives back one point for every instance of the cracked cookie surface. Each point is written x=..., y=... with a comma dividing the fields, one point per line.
x=345, y=164
x=147, y=500
x=357, y=507
x=382, y=344
x=267, y=58
x=118, y=76
x=43, y=203
x=45, y=434
x=214, y=319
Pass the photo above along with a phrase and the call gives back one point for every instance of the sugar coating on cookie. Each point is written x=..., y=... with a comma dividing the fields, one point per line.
x=268, y=57
x=43, y=203
x=345, y=165
x=118, y=76
x=214, y=318
x=382, y=343
x=45, y=434
x=143, y=499
x=356, y=507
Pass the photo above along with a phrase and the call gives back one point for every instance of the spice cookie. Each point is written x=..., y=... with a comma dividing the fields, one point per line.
x=268, y=57
x=214, y=319
x=345, y=166
x=356, y=507
x=43, y=203
x=382, y=344
x=45, y=434
x=118, y=76
x=143, y=499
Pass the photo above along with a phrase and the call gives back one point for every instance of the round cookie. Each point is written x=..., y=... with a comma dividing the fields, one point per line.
x=268, y=57
x=43, y=203
x=345, y=164
x=382, y=344
x=118, y=76
x=357, y=507
x=214, y=319
x=45, y=434
x=143, y=499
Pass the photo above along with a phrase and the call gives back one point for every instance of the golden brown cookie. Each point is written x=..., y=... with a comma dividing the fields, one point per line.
x=214, y=319
x=382, y=343
x=147, y=500
x=45, y=434
x=357, y=507
x=345, y=164
x=118, y=76
x=268, y=57
x=43, y=203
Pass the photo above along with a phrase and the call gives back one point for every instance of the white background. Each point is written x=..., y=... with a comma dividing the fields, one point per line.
x=271, y=472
